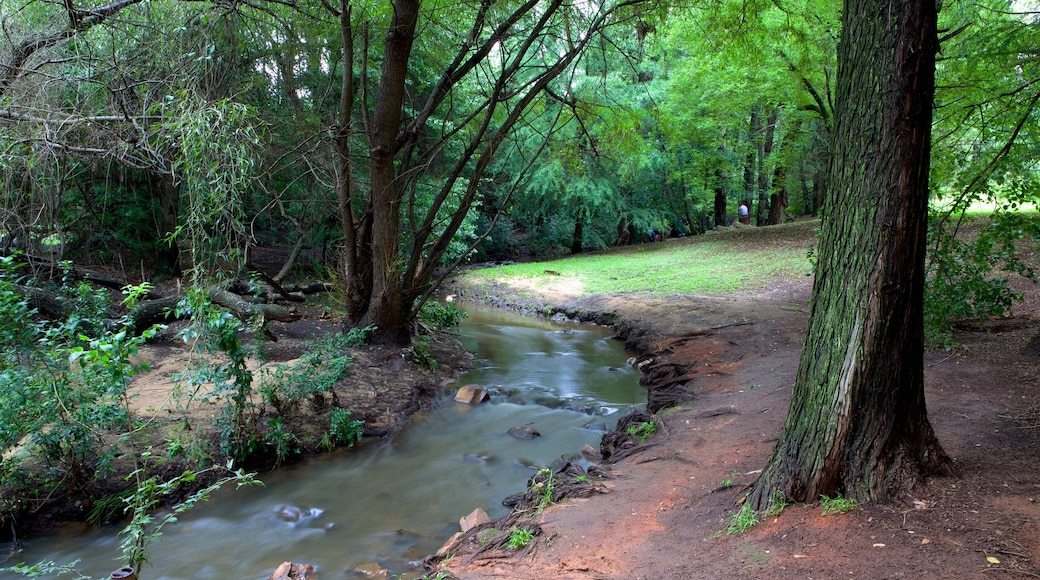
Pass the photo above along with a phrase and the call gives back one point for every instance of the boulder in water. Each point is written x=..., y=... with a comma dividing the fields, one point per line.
x=475, y=518
x=471, y=394
x=289, y=513
x=290, y=571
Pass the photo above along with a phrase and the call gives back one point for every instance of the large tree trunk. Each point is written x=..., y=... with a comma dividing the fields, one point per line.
x=858, y=424
x=778, y=200
x=388, y=311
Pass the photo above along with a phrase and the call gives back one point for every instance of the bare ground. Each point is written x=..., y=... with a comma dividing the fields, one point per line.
x=666, y=508
x=665, y=511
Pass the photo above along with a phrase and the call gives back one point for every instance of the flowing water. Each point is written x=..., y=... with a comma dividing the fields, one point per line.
x=399, y=499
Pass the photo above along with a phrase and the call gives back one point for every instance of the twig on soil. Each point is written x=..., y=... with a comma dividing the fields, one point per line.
x=1023, y=572
x=1010, y=553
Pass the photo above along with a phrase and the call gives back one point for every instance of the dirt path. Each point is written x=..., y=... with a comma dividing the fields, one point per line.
x=667, y=509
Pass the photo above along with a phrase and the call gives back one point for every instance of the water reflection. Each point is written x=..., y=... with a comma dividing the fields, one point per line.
x=398, y=500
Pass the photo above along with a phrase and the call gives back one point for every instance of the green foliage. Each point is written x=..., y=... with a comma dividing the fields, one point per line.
x=545, y=483
x=742, y=520
x=344, y=430
x=324, y=362
x=216, y=331
x=422, y=351
x=728, y=482
x=357, y=336
x=437, y=315
x=519, y=538
x=971, y=278
x=47, y=569
x=284, y=441
x=65, y=393
x=838, y=505
x=146, y=524
x=215, y=145
x=642, y=431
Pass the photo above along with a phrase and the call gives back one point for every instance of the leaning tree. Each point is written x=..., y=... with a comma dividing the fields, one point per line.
x=858, y=423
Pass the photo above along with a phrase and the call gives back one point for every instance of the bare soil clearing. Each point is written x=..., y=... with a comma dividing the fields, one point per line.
x=667, y=509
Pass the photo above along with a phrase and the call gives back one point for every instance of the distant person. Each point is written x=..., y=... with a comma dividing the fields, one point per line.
x=742, y=211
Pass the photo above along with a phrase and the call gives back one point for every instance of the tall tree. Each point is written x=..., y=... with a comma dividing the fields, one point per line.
x=858, y=423
x=494, y=67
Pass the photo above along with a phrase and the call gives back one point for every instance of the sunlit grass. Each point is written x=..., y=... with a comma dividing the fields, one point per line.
x=748, y=259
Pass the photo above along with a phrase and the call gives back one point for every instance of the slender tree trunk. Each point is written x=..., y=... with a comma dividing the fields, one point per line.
x=579, y=233
x=858, y=423
x=168, y=255
x=765, y=149
x=754, y=136
x=388, y=310
x=357, y=275
x=720, y=198
x=819, y=187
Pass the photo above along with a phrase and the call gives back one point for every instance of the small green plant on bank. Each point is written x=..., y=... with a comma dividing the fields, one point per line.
x=838, y=505
x=642, y=431
x=545, y=488
x=422, y=352
x=342, y=429
x=519, y=538
x=742, y=520
x=283, y=440
x=728, y=482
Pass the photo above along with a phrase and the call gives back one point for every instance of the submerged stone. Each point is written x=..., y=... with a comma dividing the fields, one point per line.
x=523, y=432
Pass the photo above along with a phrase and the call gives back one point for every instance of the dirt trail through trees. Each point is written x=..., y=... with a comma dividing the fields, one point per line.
x=669, y=505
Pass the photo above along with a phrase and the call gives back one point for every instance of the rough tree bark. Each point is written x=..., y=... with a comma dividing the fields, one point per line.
x=858, y=423
x=388, y=309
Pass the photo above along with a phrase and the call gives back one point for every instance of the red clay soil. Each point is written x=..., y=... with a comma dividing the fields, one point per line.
x=667, y=509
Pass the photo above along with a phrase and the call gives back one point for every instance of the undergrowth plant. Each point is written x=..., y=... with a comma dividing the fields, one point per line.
x=969, y=276
x=65, y=385
x=742, y=520
x=519, y=538
x=838, y=505
x=545, y=483
x=343, y=429
x=642, y=431
x=325, y=361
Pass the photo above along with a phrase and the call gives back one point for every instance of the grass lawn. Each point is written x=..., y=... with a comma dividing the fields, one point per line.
x=725, y=261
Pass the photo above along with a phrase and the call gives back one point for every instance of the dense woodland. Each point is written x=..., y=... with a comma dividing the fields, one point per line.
x=382, y=144
x=388, y=144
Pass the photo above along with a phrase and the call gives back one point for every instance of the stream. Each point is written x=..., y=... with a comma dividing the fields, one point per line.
x=398, y=500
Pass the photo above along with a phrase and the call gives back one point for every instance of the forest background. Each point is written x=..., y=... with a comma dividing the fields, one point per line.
x=387, y=144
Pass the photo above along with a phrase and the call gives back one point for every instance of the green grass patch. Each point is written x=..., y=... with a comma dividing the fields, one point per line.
x=742, y=520
x=748, y=259
x=838, y=505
